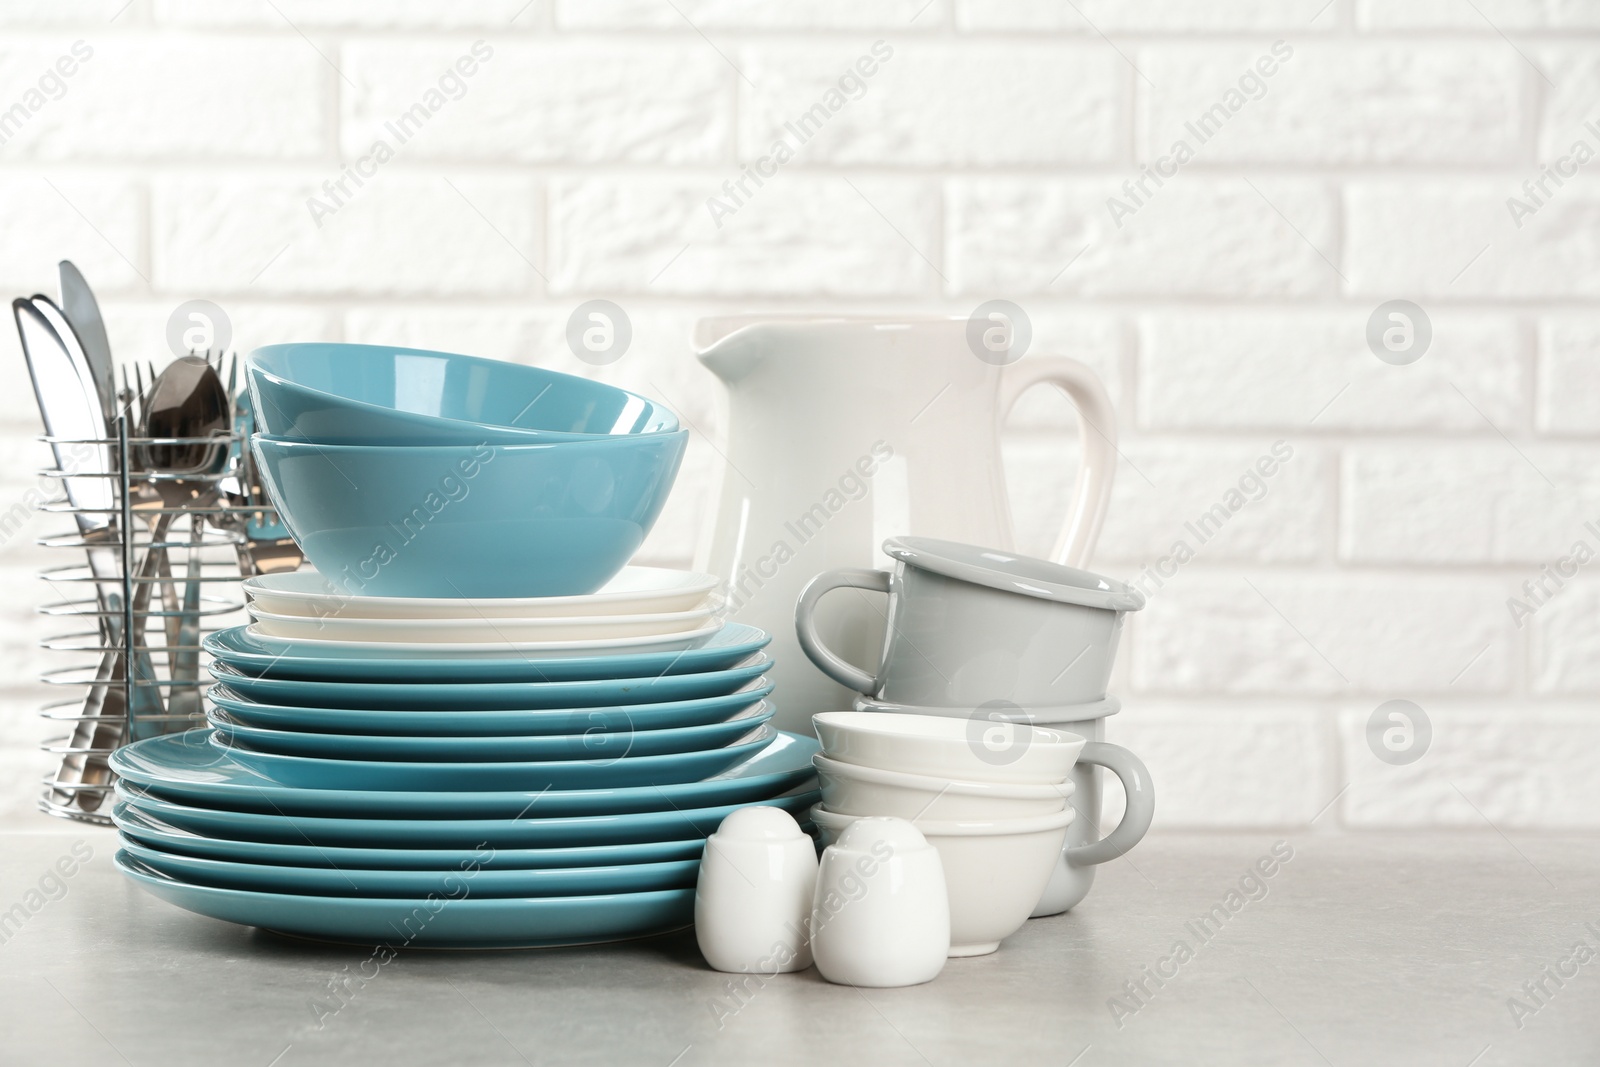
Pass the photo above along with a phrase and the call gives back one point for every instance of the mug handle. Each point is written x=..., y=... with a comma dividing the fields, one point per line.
x=1097, y=437
x=805, y=627
x=1141, y=806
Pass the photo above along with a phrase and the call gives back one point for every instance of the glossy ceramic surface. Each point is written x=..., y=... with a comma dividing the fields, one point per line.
x=848, y=430
x=979, y=628
x=1062, y=715
x=548, y=831
x=728, y=647
x=1084, y=848
x=634, y=591
x=157, y=833
x=585, y=745
x=495, y=647
x=881, y=914
x=483, y=696
x=851, y=790
x=328, y=881
x=438, y=921
x=975, y=750
x=495, y=631
x=186, y=768
x=478, y=520
x=995, y=871
x=378, y=395
x=753, y=896
x=461, y=723
x=601, y=771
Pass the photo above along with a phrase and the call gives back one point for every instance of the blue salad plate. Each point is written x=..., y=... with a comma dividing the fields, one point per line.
x=610, y=766
x=504, y=722
x=598, y=744
x=483, y=696
x=249, y=654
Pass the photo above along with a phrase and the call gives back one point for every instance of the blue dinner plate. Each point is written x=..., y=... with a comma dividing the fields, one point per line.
x=676, y=824
x=486, y=696
x=513, y=722
x=285, y=658
x=598, y=744
x=157, y=833
x=436, y=921
x=611, y=769
x=480, y=881
x=186, y=768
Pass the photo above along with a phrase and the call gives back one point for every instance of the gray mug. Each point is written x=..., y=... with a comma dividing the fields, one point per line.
x=1084, y=849
x=968, y=626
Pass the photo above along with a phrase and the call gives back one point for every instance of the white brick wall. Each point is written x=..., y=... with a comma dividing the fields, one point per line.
x=1226, y=309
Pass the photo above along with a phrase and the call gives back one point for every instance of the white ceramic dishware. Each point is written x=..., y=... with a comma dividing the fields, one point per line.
x=859, y=428
x=994, y=870
x=852, y=790
x=753, y=898
x=600, y=646
x=976, y=749
x=1054, y=716
x=880, y=916
x=634, y=591
x=972, y=627
x=1084, y=848
x=481, y=631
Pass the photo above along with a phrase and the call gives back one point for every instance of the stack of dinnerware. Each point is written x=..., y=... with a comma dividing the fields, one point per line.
x=984, y=635
x=992, y=797
x=403, y=472
x=472, y=726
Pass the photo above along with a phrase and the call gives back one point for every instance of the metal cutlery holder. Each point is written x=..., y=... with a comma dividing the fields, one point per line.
x=139, y=599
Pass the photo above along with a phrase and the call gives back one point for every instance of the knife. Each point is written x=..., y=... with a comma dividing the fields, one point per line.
x=70, y=408
x=83, y=312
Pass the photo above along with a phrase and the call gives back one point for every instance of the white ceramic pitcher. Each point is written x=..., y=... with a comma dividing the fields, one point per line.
x=843, y=432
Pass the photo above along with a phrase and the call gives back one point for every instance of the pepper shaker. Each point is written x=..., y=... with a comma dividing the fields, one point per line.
x=881, y=913
x=753, y=900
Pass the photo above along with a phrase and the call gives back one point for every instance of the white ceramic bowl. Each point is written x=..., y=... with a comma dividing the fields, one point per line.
x=994, y=870
x=479, y=631
x=634, y=591
x=1036, y=715
x=971, y=749
x=851, y=790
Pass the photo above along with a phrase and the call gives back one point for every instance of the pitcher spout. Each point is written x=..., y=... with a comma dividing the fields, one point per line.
x=728, y=347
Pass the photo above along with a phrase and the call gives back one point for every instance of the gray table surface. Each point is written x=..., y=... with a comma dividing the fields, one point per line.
x=1358, y=950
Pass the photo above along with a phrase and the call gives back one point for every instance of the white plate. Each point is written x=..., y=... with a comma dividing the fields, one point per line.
x=518, y=649
x=634, y=591
x=480, y=631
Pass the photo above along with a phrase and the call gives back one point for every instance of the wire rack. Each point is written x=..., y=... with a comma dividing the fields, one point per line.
x=153, y=574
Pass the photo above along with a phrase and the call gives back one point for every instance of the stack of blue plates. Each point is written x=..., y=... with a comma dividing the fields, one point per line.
x=352, y=792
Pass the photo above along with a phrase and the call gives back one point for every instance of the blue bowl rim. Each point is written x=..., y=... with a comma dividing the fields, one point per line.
x=252, y=367
x=584, y=441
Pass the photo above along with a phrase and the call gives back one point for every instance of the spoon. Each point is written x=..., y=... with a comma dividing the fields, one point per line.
x=186, y=400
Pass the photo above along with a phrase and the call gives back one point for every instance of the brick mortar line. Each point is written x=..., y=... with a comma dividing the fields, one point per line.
x=951, y=33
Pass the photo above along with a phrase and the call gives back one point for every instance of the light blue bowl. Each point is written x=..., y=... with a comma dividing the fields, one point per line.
x=555, y=519
x=378, y=395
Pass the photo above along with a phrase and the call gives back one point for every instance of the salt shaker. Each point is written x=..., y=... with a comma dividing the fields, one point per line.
x=880, y=916
x=753, y=900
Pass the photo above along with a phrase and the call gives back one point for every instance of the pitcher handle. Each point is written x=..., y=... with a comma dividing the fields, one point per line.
x=805, y=626
x=1097, y=436
x=1136, y=816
